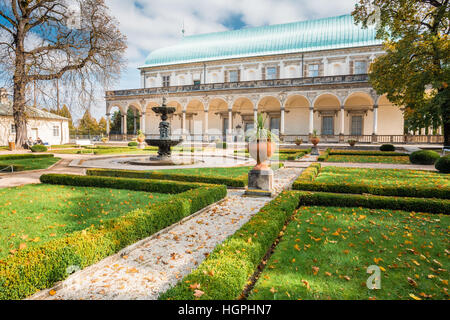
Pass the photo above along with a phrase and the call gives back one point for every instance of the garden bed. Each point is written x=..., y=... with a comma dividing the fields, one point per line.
x=389, y=182
x=27, y=161
x=356, y=156
x=325, y=252
x=37, y=267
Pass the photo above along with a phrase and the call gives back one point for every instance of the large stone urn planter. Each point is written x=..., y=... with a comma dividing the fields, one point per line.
x=315, y=141
x=260, y=178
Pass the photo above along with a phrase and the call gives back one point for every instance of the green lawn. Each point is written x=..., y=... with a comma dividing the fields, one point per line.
x=369, y=159
x=383, y=177
x=325, y=252
x=32, y=164
x=33, y=214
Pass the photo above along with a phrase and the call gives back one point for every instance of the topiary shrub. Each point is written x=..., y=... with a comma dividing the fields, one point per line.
x=387, y=147
x=39, y=148
x=424, y=157
x=132, y=144
x=443, y=164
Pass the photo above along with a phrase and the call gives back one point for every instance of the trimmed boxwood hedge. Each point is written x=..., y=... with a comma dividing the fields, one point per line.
x=132, y=144
x=21, y=156
x=387, y=147
x=366, y=153
x=424, y=157
x=355, y=188
x=39, y=148
x=374, y=202
x=37, y=268
x=324, y=156
x=443, y=164
x=149, y=185
x=224, y=274
x=240, y=182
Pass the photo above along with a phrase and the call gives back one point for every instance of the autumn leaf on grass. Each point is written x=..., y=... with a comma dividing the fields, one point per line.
x=414, y=297
x=195, y=286
x=315, y=270
x=273, y=290
x=198, y=293
x=22, y=246
x=412, y=282
x=306, y=283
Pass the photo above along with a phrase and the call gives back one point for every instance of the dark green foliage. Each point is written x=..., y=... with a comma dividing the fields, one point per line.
x=132, y=144
x=443, y=164
x=161, y=186
x=387, y=147
x=424, y=157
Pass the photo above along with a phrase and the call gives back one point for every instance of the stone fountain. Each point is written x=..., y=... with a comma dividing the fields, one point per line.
x=165, y=142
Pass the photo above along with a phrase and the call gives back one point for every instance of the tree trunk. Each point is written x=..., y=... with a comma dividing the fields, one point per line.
x=20, y=82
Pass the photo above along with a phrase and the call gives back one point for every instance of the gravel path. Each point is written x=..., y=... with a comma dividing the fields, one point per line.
x=150, y=267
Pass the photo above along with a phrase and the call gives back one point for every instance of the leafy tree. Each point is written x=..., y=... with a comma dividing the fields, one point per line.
x=88, y=125
x=414, y=72
x=102, y=126
x=116, y=123
x=46, y=40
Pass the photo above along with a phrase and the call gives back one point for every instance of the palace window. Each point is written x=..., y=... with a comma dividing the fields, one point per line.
x=360, y=67
x=313, y=70
x=357, y=122
x=275, y=125
x=328, y=125
x=271, y=73
x=13, y=129
x=234, y=76
x=196, y=82
x=166, y=81
x=56, y=131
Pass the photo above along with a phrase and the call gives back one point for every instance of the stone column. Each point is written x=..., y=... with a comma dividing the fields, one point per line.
x=143, y=122
x=375, y=119
x=124, y=126
x=230, y=125
x=342, y=132
x=183, y=123
x=311, y=120
x=282, y=121
x=255, y=115
x=108, y=120
x=205, y=129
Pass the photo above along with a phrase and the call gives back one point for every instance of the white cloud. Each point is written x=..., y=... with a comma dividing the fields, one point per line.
x=154, y=24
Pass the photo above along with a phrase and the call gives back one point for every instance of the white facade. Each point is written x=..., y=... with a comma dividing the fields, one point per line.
x=50, y=128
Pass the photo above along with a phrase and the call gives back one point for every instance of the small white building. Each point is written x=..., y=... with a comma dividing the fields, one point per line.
x=50, y=128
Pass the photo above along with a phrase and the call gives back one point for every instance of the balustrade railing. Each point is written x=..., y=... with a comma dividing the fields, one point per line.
x=293, y=82
x=290, y=138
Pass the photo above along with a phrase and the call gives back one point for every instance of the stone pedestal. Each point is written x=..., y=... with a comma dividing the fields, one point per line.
x=141, y=145
x=314, y=151
x=260, y=183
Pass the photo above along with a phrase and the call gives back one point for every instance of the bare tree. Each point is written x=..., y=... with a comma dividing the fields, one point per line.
x=44, y=40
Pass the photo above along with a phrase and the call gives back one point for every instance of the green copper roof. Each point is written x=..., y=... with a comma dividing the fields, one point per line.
x=321, y=34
